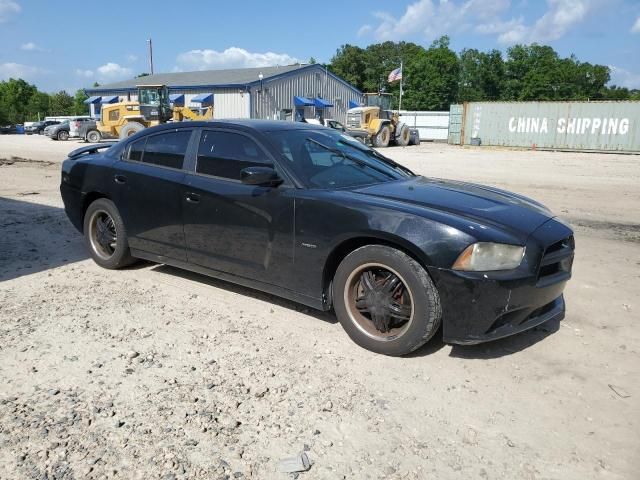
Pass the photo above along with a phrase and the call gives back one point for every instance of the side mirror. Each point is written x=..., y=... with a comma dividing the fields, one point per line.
x=260, y=176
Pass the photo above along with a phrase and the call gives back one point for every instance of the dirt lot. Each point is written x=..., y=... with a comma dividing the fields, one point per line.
x=152, y=372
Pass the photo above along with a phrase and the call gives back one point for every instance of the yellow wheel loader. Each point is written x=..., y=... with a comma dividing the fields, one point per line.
x=376, y=123
x=123, y=119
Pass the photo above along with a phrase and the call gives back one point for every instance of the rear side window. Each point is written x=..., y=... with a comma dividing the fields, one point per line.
x=225, y=154
x=135, y=150
x=165, y=149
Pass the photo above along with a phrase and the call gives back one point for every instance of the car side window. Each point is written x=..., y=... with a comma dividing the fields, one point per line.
x=167, y=149
x=225, y=154
x=135, y=150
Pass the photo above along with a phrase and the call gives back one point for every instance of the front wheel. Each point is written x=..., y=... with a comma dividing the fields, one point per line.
x=106, y=236
x=385, y=300
x=382, y=138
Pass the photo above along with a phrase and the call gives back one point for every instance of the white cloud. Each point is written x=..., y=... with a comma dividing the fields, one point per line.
x=84, y=73
x=232, y=57
x=113, y=71
x=19, y=70
x=636, y=26
x=131, y=58
x=624, y=78
x=431, y=19
x=8, y=8
x=364, y=30
x=31, y=47
x=561, y=16
x=109, y=72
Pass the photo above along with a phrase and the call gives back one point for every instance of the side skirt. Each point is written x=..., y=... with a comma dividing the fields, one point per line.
x=312, y=302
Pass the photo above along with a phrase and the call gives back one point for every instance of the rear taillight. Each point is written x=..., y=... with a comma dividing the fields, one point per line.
x=77, y=124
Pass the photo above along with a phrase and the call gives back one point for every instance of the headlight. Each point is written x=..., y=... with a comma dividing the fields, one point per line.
x=485, y=256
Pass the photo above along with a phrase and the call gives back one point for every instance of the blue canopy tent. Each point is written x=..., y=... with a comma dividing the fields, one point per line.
x=177, y=99
x=94, y=103
x=203, y=99
x=300, y=103
x=303, y=102
x=322, y=103
x=109, y=99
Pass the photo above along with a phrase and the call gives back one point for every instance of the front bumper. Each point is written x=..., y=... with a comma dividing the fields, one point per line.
x=357, y=133
x=483, y=306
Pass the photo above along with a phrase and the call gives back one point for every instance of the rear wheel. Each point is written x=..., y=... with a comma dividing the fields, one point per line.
x=63, y=135
x=93, y=136
x=106, y=236
x=385, y=300
x=129, y=129
x=404, y=137
x=383, y=137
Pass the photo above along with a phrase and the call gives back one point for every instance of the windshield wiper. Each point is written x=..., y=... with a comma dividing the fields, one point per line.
x=384, y=159
x=358, y=161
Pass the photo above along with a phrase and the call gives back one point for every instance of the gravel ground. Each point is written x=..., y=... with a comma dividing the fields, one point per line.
x=152, y=372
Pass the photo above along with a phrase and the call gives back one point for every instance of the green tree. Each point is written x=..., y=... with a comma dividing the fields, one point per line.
x=14, y=99
x=79, y=107
x=38, y=106
x=61, y=103
x=432, y=79
x=349, y=64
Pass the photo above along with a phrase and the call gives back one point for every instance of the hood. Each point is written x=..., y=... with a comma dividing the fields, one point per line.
x=477, y=202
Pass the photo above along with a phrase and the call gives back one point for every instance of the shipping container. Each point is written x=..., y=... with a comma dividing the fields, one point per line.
x=586, y=126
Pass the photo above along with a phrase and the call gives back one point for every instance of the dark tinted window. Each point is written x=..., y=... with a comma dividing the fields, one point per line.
x=167, y=149
x=225, y=154
x=135, y=150
x=329, y=159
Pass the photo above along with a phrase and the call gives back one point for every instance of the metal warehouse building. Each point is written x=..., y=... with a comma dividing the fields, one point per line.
x=288, y=92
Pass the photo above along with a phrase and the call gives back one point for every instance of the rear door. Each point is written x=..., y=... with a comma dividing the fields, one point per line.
x=149, y=185
x=245, y=230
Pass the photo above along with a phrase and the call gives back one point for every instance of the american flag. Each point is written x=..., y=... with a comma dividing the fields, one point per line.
x=395, y=75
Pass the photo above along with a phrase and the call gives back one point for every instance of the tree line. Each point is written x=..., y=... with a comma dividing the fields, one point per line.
x=22, y=102
x=433, y=79
x=436, y=77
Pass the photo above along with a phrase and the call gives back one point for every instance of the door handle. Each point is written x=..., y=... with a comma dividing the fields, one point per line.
x=192, y=197
x=120, y=179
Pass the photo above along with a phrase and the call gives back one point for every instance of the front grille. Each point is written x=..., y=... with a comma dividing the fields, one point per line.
x=556, y=262
x=353, y=120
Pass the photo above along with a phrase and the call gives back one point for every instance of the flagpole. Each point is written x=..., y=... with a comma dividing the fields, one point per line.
x=400, y=102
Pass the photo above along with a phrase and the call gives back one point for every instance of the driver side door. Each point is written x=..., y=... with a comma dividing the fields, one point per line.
x=231, y=227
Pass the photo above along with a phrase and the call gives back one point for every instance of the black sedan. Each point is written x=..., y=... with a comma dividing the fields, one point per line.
x=310, y=214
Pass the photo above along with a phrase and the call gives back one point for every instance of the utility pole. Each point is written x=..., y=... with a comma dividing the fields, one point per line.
x=150, y=56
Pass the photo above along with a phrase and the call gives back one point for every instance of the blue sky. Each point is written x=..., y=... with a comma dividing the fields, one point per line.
x=57, y=45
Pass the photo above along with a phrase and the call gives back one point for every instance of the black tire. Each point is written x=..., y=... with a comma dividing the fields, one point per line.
x=424, y=301
x=93, y=136
x=382, y=138
x=129, y=129
x=117, y=253
x=404, y=137
x=63, y=135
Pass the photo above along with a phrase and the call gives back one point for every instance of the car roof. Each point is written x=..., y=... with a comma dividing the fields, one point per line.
x=259, y=125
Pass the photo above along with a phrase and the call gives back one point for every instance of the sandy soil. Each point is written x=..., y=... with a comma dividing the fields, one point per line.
x=152, y=372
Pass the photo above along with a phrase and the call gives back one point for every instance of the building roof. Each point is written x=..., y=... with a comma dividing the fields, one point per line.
x=231, y=77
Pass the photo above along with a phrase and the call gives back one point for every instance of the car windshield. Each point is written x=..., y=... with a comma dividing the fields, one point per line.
x=328, y=159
